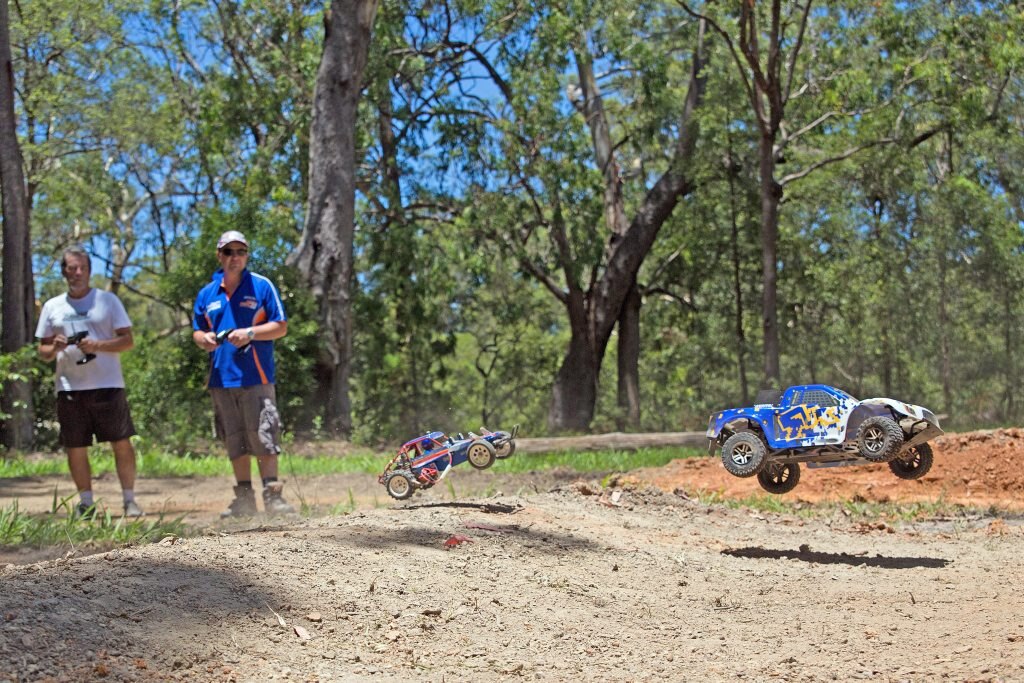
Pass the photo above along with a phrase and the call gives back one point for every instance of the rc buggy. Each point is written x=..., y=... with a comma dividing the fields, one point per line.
x=824, y=427
x=427, y=459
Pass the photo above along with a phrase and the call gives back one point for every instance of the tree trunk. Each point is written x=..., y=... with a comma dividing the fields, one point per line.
x=18, y=292
x=593, y=314
x=574, y=394
x=629, y=361
x=325, y=255
x=401, y=259
x=615, y=220
x=737, y=285
x=771, y=195
x=1009, y=367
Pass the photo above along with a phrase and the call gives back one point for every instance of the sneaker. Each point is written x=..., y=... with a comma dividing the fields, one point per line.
x=86, y=512
x=244, y=504
x=132, y=509
x=273, y=503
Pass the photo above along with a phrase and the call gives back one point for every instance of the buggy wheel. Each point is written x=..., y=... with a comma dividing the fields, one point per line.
x=879, y=439
x=914, y=463
x=480, y=454
x=779, y=479
x=399, y=485
x=506, y=449
x=744, y=454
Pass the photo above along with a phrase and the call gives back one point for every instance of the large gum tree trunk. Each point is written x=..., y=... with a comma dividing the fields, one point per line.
x=324, y=255
x=594, y=312
x=18, y=294
x=575, y=392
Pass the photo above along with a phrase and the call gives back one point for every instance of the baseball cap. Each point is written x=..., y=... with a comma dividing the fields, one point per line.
x=229, y=237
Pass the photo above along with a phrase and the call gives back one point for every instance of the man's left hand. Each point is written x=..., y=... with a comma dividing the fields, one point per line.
x=89, y=345
x=239, y=337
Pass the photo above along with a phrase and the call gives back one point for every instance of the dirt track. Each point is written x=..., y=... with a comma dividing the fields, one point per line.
x=632, y=583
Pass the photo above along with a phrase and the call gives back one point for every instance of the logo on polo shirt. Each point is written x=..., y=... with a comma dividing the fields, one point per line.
x=249, y=302
x=214, y=306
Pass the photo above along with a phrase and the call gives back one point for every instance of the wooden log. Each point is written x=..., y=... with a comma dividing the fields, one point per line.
x=609, y=442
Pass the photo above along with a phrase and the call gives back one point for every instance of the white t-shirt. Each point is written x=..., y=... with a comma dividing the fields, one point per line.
x=98, y=312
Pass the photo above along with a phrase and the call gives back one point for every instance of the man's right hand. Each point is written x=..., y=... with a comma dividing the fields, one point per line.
x=49, y=347
x=206, y=341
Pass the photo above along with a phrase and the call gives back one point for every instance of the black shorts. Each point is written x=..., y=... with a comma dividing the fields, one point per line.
x=103, y=412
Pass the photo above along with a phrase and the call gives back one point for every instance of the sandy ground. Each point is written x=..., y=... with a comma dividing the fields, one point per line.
x=544, y=577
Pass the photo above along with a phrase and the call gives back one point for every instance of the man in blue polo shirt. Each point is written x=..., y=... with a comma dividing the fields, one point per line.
x=236, y=318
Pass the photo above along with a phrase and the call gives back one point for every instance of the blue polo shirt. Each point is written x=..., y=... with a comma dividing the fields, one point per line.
x=255, y=301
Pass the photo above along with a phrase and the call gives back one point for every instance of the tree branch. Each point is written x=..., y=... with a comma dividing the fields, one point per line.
x=831, y=160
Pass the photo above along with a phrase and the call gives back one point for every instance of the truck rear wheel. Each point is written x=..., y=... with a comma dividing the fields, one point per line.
x=879, y=439
x=744, y=454
x=914, y=463
x=779, y=479
x=480, y=454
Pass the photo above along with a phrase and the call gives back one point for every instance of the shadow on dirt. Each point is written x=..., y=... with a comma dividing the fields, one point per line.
x=120, y=617
x=490, y=508
x=805, y=554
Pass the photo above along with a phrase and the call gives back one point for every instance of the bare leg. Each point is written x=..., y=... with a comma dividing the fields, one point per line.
x=242, y=466
x=78, y=463
x=124, y=458
x=267, y=465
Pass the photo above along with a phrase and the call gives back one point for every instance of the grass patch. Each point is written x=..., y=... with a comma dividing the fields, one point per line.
x=153, y=462
x=157, y=463
x=61, y=527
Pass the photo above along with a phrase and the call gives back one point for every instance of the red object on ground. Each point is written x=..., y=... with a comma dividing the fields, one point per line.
x=456, y=539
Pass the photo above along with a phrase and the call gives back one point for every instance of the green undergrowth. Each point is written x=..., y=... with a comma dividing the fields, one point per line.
x=60, y=527
x=153, y=462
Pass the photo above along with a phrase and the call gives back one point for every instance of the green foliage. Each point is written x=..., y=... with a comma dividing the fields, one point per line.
x=154, y=460
x=25, y=365
x=62, y=528
x=150, y=129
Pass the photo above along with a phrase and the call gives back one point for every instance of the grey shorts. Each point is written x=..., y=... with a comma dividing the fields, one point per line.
x=247, y=420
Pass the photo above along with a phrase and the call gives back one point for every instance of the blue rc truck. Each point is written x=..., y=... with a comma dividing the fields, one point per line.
x=824, y=427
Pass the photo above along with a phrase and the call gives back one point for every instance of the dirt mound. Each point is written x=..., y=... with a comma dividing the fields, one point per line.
x=578, y=584
x=976, y=469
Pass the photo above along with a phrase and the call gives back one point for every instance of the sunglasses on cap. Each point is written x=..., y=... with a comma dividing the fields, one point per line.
x=234, y=252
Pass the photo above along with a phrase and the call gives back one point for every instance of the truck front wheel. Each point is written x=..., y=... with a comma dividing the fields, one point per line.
x=744, y=454
x=879, y=439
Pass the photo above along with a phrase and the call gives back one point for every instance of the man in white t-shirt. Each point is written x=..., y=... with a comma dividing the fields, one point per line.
x=86, y=330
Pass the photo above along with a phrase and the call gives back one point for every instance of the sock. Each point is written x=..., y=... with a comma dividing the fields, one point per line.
x=85, y=497
x=244, y=484
x=269, y=480
x=128, y=495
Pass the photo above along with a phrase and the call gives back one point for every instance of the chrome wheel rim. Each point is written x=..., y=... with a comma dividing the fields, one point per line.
x=874, y=439
x=742, y=453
